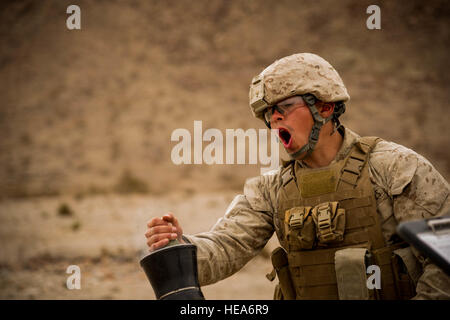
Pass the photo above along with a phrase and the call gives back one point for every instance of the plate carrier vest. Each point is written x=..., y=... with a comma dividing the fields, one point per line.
x=330, y=232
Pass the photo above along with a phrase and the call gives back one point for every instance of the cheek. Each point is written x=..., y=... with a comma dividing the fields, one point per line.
x=302, y=121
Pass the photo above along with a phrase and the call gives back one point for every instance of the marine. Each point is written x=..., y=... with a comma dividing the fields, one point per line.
x=334, y=205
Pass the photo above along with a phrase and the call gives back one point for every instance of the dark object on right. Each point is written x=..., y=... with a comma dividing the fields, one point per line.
x=431, y=237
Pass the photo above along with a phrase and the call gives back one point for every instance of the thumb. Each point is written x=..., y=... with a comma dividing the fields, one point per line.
x=169, y=217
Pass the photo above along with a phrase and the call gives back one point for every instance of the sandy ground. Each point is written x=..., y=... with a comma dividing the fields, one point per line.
x=103, y=235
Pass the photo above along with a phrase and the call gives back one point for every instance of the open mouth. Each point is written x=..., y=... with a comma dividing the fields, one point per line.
x=285, y=137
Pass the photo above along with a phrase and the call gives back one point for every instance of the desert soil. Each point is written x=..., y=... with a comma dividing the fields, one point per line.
x=104, y=236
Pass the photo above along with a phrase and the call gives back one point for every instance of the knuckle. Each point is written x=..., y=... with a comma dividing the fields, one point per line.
x=158, y=229
x=152, y=222
x=158, y=237
x=152, y=239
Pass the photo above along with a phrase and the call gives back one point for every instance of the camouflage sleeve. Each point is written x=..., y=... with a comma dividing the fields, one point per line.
x=416, y=191
x=238, y=236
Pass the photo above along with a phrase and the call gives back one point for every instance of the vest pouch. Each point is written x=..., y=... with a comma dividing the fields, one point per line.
x=329, y=222
x=405, y=268
x=285, y=290
x=350, y=267
x=299, y=228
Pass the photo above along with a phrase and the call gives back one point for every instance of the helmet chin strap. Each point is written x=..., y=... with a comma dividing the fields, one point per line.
x=319, y=121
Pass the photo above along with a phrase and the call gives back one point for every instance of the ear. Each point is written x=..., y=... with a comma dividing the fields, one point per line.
x=326, y=109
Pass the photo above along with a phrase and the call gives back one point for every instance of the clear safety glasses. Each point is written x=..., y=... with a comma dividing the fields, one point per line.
x=283, y=108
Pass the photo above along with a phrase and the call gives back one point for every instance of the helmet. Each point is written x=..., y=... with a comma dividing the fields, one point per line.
x=297, y=74
x=304, y=74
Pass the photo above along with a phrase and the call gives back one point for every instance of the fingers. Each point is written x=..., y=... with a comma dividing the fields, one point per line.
x=158, y=245
x=156, y=222
x=170, y=218
x=160, y=240
x=160, y=229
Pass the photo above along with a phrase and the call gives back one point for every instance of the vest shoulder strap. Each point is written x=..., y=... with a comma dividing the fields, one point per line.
x=287, y=172
x=366, y=144
x=356, y=161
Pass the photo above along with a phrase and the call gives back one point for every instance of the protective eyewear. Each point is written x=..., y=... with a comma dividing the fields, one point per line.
x=283, y=109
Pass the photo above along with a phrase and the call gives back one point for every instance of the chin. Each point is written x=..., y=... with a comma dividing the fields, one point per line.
x=291, y=150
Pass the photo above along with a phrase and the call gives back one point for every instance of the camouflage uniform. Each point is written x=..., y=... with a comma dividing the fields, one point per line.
x=405, y=184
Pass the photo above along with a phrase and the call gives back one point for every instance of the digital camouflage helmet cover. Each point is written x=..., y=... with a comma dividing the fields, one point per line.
x=301, y=74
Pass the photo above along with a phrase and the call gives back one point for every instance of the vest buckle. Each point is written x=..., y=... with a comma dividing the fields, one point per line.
x=324, y=221
x=324, y=216
x=296, y=219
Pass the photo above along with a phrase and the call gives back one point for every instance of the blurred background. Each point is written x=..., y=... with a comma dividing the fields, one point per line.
x=86, y=118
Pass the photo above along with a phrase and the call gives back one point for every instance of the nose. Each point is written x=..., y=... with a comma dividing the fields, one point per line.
x=276, y=115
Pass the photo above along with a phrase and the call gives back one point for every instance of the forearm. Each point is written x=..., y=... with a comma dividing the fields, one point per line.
x=234, y=240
